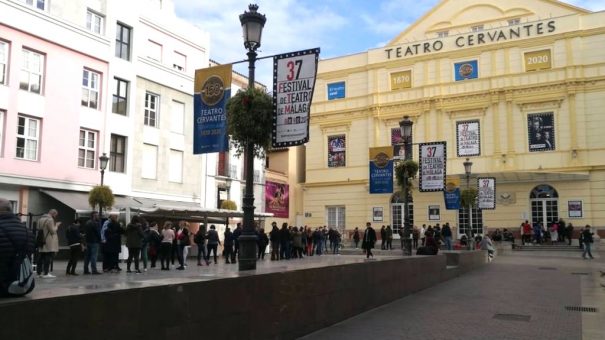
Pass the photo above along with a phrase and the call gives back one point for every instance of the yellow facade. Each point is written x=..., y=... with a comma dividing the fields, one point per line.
x=525, y=61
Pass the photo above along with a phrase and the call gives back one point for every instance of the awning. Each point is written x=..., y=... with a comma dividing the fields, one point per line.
x=190, y=211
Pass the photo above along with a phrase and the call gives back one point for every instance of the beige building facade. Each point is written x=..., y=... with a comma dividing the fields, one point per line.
x=518, y=87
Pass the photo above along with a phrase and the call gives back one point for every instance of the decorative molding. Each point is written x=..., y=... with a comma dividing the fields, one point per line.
x=335, y=127
x=467, y=113
x=506, y=198
x=537, y=105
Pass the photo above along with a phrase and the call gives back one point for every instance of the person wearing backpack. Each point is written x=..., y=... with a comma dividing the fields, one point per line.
x=48, y=227
x=16, y=249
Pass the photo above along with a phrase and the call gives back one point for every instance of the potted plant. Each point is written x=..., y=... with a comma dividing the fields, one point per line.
x=250, y=120
x=100, y=196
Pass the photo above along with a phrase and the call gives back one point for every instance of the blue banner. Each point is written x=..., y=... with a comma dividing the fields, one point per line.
x=381, y=178
x=336, y=90
x=466, y=70
x=452, y=199
x=212, y=90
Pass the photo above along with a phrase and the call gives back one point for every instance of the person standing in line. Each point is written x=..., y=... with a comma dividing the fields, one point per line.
x=200, y=241
x=383, y=237
x=113, y=237
x=284, y=242
x=389, y=234
x=236, y=234
x=324, y=238
x=422, y=235
x=145, y=243
x=48, y=226
x=587, y=240
x=538, y=232
x=317, y=241
x=166, y=246
x=106, y=255
x=415, y=237
x=74, y=240
x=356, y=237
x=213, y=243
x=262, y=241
x=274, y=236
x=92, y=234
x=446, y=232
x=486, y=244
x=176, y=245
x=185, y=244
x=134, y=242
x=369, y=238
x=569, y=233
x=155, y=243
x=554, y=232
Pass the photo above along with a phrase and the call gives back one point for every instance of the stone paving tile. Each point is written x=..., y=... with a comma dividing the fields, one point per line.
x=464, y=308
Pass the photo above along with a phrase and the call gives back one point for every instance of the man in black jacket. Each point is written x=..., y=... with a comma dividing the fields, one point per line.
x=92, y=232
x=13, y=234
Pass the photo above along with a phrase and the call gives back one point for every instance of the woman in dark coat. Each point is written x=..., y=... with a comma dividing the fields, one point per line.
x=134, y=242
x=74, y=240
x=113, y=244
x=369, y=238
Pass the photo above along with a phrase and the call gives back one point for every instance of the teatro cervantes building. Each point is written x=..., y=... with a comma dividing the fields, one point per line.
x=516, y=86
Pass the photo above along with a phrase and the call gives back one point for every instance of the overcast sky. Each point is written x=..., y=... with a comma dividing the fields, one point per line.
x=338, y=27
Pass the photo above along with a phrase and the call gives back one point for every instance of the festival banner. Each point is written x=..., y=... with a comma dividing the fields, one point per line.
x=451, y=194
x=466, y=70
x=293, y=83
x=541, y=131
x=468, y=137
x=432, y=166
x=381, y=170
x=277, y=199
x=212, y=89
x=486, y=193
x=337, y=148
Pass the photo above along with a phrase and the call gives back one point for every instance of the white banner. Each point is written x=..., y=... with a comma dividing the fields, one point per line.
x=293, y=83
x=486, y=195
x=468, y=138
x=432, y=166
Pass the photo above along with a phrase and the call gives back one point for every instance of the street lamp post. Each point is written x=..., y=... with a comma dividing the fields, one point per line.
x=467, y=170
x=406, y=134
x=252, y=27
x=103, y=160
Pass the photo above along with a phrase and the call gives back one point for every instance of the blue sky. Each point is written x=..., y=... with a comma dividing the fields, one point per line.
x=339, y=27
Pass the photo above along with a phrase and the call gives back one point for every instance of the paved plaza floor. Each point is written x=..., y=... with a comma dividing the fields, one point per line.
x=521, y=295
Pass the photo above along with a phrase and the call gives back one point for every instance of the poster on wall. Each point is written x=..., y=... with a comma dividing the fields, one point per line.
x=336, y=90
x=468, y=138
x=486, y=193
x=381, y=170
x=212, y=89
x=466, y=70
x=377, y=214
x=277, y=199
x=541, y=131
x=434, y=213
x=574, y=209
x=293, y=84
x=336, y=151
x=432, y=166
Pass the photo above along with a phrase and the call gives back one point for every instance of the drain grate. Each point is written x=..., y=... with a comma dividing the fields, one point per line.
x=512, y=317
x=581, y=309
x=580, y=274
x=547, y=268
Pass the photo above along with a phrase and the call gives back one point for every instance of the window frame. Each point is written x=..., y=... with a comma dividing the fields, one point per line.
x=87, y=149
x=478, y=28
x=443, y=34
x=181, y=68
x=152, y=47
x=5, y=52
x=116, y=95
x=171, y=161
x=115, y=154
x=26, y=138
x=87, y=88
x=2, y=123
x=147, y=121
x=175, y=126
x=26, y=56
x=340, y=211
x=123, y=47
x=37, y=4
x=514, y=21
x=90, y=15
x=144, y=170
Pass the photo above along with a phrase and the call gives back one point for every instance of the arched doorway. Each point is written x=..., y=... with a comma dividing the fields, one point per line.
x=397, y=215
x=544, y=201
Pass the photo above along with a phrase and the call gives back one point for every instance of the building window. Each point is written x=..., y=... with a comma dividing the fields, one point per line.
x=180, y=61
x=90, y=89
x=39, y=4
x=120, y=97
x=257, y=176
x=474, y=219
x=177, y=117
x=175, y=171
x=154, y=50
x=32, y=71
x=28, y=132
x=94, y=22
x=14, y=206
x=123, y=41
x=151, y=109
x=233, y=171
x=117, y=154
x=477, y=28
x=336, y=218
x=443, y=34
x=513, y=22
x=3, y=62
x=150, y=161
x=87, y=149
